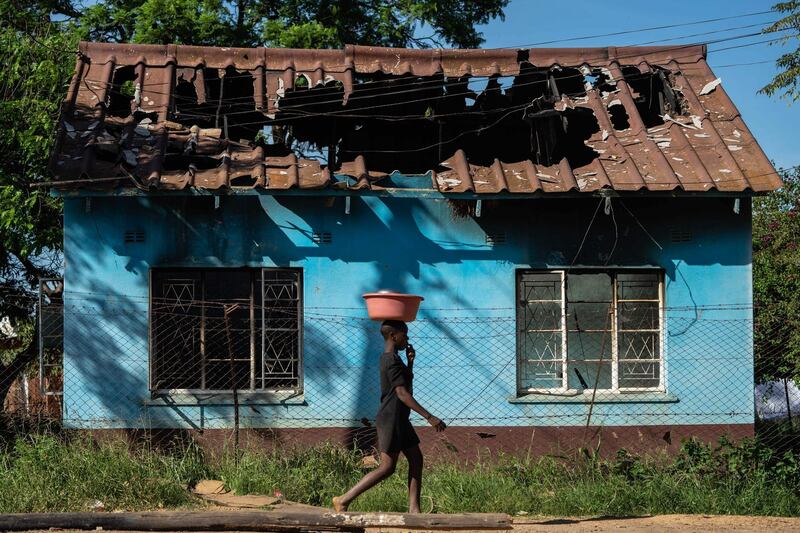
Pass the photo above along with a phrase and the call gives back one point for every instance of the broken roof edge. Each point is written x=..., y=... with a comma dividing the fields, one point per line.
x=372, y=59
x=423, y=194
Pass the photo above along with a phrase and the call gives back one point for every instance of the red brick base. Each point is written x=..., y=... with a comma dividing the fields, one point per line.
x=456, y=444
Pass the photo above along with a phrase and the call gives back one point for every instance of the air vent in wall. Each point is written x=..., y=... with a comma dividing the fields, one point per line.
x=134, y=236
x=498, y=237
x=321, y=237
x=681, y=235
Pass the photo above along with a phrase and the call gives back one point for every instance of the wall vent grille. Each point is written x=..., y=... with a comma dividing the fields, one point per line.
x=495, y=238
x=322, y=237
x=134, y=236
x=681, y=235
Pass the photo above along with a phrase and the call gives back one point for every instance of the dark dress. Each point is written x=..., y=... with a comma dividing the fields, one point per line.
x=395, y=432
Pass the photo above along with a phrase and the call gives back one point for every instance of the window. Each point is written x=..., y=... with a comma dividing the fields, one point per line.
x=578, y=328
x=213, y=329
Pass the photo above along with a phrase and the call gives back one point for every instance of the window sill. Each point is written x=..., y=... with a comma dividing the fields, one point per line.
x=585, y=398
x=225, y=398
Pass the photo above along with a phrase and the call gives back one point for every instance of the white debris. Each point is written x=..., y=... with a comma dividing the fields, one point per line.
x=737, y=133
x=697, y=121
x=582, y=183
x=6, y=329
x=668, y=118
x=702, y=135
x=734, y=147
x=605, y=134
x=677, y=159
x=710, y=86
x=725, y=171
x=614, y=102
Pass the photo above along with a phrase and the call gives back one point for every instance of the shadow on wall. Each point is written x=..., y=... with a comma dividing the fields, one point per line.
x=403, y=244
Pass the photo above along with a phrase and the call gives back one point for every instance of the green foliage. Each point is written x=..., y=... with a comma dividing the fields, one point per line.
x=290, y=23
x=787, y=80
x=776, y=280
x=37, y=66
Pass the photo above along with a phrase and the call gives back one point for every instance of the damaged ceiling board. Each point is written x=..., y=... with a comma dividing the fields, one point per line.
x=551, y=120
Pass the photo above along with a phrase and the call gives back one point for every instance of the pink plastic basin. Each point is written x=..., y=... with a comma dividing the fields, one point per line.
x=392, y=306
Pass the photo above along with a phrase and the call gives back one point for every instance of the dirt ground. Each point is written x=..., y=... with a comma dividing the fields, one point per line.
x=699, y=523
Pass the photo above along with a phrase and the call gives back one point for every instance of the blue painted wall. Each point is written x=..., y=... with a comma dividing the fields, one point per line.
x=465, y=367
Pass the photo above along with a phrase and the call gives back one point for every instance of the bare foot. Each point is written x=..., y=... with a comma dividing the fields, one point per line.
x=338, y=505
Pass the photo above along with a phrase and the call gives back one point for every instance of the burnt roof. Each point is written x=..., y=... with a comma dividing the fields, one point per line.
x=549, y=120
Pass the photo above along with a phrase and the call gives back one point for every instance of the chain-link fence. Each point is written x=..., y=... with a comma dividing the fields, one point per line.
x=262, y=370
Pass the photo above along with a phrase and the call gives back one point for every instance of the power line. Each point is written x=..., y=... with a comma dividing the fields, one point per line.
x=640, y=30
x=439, y=97
x=437, y=82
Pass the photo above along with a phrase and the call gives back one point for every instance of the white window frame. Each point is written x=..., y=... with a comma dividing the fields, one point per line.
x=615, y=330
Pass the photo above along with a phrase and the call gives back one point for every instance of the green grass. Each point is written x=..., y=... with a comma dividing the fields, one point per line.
x=47, y=474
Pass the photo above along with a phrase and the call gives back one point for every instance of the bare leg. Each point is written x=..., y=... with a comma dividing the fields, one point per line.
x=384, y=470
x=414, y=457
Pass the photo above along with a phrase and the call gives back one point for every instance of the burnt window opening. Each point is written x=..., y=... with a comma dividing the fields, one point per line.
x=653, y=94
x=122, y=91
x=619, y=117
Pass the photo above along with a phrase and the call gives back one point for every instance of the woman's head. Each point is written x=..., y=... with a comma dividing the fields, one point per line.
x=397, y=331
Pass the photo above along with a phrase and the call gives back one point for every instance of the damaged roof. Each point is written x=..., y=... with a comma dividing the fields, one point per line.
x=548, y=120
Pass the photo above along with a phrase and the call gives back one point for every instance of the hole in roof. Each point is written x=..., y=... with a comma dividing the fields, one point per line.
x=569, y=81
x=185, y=98
x=122, y=91
x=619, y=117
x=653, y=94
x=185, y=162
x=243, y=181
x=302, y=82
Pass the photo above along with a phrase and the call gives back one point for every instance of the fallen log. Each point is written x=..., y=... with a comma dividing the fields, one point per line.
x=284, y=521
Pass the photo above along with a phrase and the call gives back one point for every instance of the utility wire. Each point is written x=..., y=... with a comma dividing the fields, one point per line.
x=345, y=112
x=422, y=85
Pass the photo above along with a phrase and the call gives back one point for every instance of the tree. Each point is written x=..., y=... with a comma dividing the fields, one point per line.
x=776, y=281
x=37, y=43
x=789, y=63
x=291, y=23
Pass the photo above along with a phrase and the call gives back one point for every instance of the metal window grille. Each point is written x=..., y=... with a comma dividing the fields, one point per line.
x=585, y=329
x=212, y=330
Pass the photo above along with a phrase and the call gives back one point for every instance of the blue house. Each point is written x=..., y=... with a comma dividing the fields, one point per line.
x=577, y=220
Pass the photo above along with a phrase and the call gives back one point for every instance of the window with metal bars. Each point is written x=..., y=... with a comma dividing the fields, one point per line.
x=581, y=330
x=213, y=330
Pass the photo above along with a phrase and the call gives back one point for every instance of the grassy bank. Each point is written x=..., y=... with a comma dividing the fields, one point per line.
x=46, y=474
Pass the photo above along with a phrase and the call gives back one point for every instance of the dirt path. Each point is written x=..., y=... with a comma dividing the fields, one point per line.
x=699, y=523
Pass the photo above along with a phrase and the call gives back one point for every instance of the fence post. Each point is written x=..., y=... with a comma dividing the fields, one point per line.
x=229, y=309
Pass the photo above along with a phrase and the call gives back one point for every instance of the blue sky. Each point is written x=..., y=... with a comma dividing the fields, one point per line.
x=771, y=119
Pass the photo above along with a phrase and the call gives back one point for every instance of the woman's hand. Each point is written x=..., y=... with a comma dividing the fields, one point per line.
x=437, y=423
x=411, y=354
